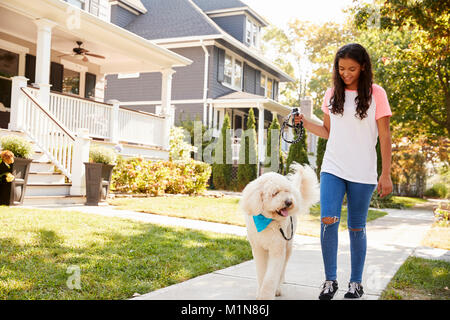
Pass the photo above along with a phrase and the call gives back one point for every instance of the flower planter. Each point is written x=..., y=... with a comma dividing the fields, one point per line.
x=13, y=193
x=98, y=179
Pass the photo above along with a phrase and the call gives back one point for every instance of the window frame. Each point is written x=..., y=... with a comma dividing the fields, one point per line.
x=233, y=73
x=252, y=29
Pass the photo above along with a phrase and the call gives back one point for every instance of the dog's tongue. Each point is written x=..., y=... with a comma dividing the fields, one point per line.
x=284, y=212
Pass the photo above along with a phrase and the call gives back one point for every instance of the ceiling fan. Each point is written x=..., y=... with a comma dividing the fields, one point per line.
x=81, y=53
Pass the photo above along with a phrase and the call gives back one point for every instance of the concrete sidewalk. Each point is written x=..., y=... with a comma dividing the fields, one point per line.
x=391, y=240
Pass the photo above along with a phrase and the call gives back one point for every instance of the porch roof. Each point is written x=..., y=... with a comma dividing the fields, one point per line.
x=125, y=51
x=241, y=99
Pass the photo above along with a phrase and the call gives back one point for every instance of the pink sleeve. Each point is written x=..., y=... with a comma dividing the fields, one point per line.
x=381, y=101
x=326, y=101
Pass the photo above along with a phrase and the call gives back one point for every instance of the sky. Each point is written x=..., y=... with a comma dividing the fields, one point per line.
x=279, y=12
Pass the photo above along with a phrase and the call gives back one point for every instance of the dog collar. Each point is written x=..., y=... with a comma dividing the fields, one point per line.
x=261, y=222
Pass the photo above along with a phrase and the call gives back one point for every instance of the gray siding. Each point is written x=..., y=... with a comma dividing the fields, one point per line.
x=188, y=81
x=188, y=111
x=234, y=25
x=146, y=87
x=250, y=80
x=121, y=16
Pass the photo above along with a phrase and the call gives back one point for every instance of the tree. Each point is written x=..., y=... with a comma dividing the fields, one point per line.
x=222, y=166
x=248, y=156
x=321, y=147
x=297, y=152
x=277, y=159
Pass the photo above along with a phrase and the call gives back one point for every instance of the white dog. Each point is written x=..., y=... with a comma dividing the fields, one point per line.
x=270, y=205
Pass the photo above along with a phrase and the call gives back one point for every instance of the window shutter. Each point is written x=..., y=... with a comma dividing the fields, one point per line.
x=220, y=65
x=56, y=76
x=89, y=88
x=30, y=68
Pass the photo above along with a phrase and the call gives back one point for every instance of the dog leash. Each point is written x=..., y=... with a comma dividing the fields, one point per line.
x=292, y=231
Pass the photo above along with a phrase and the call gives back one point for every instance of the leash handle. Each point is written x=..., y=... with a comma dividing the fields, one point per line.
x=290, y=122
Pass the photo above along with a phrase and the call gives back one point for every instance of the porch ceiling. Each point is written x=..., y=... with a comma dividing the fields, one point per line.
x=124, y=51
x=248, y=100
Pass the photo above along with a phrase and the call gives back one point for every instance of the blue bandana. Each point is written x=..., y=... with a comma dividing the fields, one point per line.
x=261, y=222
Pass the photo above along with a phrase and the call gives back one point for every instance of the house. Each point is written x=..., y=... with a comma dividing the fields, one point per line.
x=229, y=73
x=54, y=57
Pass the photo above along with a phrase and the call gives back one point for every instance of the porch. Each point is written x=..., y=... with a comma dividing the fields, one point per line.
x=53, y=62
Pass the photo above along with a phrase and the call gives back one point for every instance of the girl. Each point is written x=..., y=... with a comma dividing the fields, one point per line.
x=356, y=112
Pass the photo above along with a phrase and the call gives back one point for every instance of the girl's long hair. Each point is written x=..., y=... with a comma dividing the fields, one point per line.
x=356, y=52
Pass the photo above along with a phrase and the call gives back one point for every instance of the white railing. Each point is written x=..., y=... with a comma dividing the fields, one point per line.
x=52, y=137
x=77, y=113
x=140, y=127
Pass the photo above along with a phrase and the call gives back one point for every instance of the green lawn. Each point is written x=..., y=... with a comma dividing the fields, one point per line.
x=222, y=210
x=421, y=279
x=408, y=202
x=116, y=257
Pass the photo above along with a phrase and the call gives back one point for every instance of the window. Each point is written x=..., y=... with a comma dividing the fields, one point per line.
x=9, y=63
x=263, y=83
x=94, y=5
x=237, y=74
x=269, y=89
x=252, y=33
x=228, y=71
x=77, y=3
x=232, y=73
x=71, y=82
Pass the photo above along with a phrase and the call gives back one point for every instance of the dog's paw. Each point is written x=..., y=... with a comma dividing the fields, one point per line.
x=278, y=292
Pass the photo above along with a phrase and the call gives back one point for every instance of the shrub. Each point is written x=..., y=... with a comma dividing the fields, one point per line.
x=297, y=152
x=180, y=148
x=19, y=146
x=248, y=155
x=385, y=202
x=222, y=165
x=137, y=175
x=98, y=154
x=442, y=215
x=438, y=190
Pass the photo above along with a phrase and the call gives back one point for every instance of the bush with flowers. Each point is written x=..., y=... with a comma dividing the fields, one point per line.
x=136, y=175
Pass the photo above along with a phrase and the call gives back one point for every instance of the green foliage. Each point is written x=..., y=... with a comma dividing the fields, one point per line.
x=222, y=165
x=275, y=127
x=442, y=215
x=99, y=154
x=248, y=155
x=321, y=147
x=438, y=190
x=196, y=131
x=19, y=146
x=297, y=152
x=385, y=202
x=136, y=175
x=180, y=149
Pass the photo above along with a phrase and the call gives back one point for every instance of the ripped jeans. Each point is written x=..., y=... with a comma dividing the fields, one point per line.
x=332, y=191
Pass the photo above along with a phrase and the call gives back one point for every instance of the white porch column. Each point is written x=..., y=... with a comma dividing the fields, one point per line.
x=166, y=96
x=114, y=122
x=80, y=155
x=43, y=58
x=17, y=102
x=261, y=155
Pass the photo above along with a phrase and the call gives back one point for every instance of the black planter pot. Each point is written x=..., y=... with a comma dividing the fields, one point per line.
x=13, y=193
x=98, y=179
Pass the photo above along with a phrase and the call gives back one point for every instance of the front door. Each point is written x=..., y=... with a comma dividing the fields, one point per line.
x=9, y=67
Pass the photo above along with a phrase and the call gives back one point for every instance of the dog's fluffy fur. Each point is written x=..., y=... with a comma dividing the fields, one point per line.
x=277, y=197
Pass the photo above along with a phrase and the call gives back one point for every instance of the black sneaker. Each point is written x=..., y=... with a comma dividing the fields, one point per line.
x=355, y=290
x=329, y=288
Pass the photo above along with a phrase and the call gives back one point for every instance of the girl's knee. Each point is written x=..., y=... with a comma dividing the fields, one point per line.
x=329, y=220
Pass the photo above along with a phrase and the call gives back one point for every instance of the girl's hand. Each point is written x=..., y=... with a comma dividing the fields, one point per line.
x=299, y=118
x=384, y=185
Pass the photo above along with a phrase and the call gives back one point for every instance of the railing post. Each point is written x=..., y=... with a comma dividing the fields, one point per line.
x=17, y=103
x=114, y=121
x=80, y=155
x=166, y=96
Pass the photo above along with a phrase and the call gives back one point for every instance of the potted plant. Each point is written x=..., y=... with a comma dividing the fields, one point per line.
x=14, y=168
x=98, y=174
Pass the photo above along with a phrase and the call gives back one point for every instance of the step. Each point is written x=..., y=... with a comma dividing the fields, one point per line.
x=53, y=200
x=42, y=166
x=48, y=189
x=46, y=177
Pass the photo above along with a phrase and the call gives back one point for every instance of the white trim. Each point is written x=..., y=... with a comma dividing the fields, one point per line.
x=128, y=75
x=157, y=102
x=13, y=47
x=187, y=44
x=129, y=9
x=238, y=10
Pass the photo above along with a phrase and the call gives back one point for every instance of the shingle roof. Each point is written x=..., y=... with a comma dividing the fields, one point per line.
x=170, y=19
x=210, y=5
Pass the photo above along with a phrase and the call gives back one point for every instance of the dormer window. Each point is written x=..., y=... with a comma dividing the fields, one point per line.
x=77, y=3
x=252, y=32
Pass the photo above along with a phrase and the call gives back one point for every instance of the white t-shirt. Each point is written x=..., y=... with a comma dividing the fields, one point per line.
x=351, y=148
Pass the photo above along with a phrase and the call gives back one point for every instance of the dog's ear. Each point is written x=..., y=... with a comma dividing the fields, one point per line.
x=252, y=202
x=304, y=178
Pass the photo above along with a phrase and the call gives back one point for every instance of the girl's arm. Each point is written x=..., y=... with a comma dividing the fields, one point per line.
x=385, y=184
x=321, y=131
